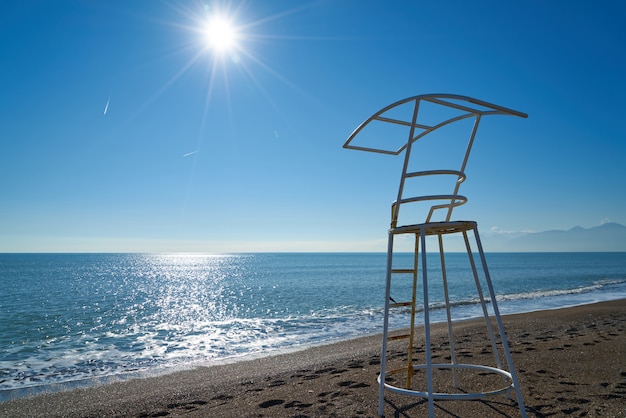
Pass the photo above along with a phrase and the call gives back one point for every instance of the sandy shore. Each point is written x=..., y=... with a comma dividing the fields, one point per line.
x=570, y=362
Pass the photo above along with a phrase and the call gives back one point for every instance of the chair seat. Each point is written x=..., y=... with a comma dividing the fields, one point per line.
x=435, y=228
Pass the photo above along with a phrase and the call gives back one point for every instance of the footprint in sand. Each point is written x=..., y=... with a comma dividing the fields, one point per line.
x=297, y=404
x=271, y=402
x=357, y=364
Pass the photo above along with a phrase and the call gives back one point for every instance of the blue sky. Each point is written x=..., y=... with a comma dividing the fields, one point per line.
x=121, y=130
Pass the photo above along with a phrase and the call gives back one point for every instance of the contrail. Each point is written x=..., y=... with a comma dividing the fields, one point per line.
x=106, y=107
x=190, y=153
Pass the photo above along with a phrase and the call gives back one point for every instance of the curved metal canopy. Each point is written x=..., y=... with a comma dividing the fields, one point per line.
x=464, y=107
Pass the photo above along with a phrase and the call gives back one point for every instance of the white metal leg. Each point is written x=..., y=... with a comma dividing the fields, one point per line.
x=383, y=354
x=429, y=360
x=444, y=277
x=505, y=343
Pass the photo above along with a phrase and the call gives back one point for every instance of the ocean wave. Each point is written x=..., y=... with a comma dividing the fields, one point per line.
x=537, y=294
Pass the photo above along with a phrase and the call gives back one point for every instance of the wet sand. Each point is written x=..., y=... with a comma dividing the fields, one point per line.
x=570, y=362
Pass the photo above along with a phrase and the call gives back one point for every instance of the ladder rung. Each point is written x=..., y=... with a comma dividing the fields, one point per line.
x=399, y=304
x=402, y=271
x=399, y=337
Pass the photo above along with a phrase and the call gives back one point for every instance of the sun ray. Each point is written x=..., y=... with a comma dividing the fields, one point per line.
x=223, y=38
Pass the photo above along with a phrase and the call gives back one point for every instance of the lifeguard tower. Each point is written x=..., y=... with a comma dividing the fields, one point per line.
x=434, y=169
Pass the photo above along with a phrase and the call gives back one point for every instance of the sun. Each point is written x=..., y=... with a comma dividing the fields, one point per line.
x=220, y=34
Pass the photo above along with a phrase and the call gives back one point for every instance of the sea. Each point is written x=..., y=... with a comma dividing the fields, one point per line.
x=75, y=320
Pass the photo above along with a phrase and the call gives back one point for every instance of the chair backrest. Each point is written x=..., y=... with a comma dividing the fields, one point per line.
x=450, y=122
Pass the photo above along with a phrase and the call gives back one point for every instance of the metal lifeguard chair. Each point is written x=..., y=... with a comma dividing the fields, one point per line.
x=432, y=118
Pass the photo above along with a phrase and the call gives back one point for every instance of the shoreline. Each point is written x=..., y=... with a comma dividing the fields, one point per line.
x=96, y=381
x=569, y=360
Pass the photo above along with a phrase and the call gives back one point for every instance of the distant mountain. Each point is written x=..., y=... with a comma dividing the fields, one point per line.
x=606, y=237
